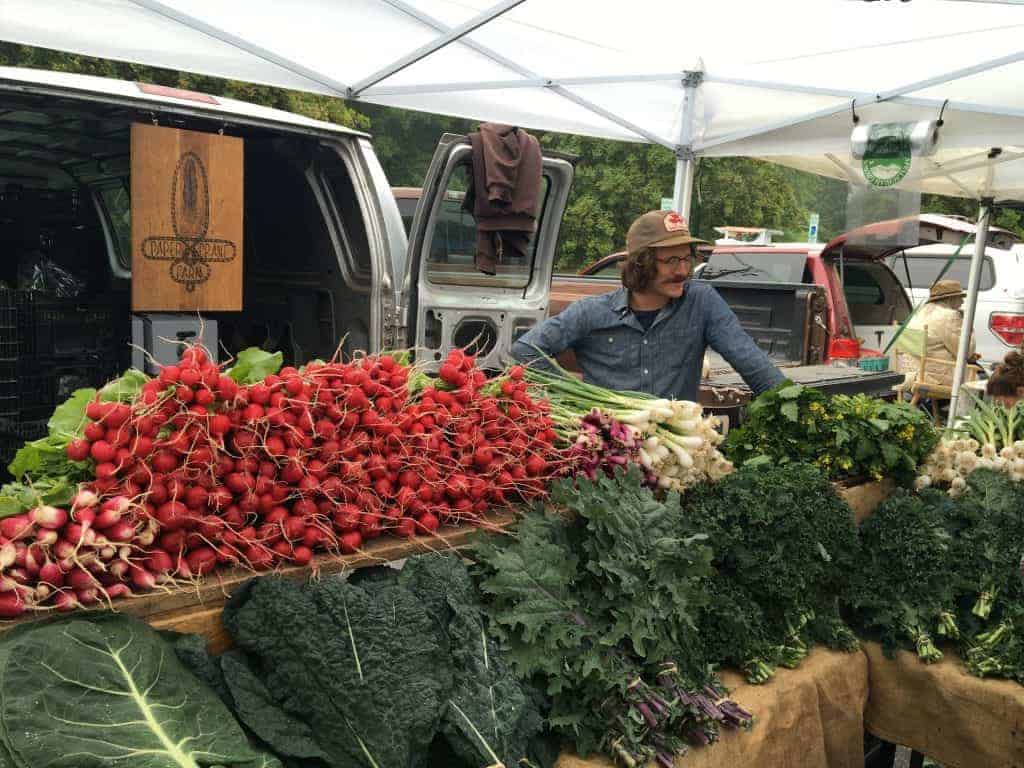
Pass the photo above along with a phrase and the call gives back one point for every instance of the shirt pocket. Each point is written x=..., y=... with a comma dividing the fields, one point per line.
x=613, y=348
x=670, y=348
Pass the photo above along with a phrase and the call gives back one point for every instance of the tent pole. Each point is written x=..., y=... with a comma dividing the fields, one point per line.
x=682, y=188
x=970, y=305
x=682, y=192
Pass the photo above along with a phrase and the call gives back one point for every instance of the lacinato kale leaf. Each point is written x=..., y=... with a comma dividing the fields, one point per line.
x=368, y=671
x=257, y=709
x=491, y=717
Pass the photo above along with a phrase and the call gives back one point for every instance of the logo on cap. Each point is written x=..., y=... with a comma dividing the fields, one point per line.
x=675, y=223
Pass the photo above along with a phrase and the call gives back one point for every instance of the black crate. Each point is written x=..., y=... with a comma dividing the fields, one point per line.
x=9, y=388
x=45, y=385
x=10, y=341
x=52, y=328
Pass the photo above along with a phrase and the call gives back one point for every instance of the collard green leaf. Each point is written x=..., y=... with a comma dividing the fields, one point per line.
x=254, y=364
x=111, y=692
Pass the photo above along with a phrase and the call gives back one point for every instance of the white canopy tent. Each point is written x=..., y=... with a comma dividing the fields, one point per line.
x=779, y=80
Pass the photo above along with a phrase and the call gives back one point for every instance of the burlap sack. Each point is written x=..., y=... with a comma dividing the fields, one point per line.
x=940, y=710
x=810, y=717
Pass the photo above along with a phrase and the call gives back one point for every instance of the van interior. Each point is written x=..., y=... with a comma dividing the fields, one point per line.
x=65, y=234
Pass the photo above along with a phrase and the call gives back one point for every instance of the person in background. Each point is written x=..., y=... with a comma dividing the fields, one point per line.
x=943, y=316
x=1006, y=384
x=651, y=334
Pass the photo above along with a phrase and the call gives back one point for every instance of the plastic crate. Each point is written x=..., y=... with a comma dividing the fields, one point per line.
x=52, y=328
x=880, y=363
x=44, y=386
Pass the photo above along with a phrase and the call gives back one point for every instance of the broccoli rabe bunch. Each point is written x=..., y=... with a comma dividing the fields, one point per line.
x=784, y=543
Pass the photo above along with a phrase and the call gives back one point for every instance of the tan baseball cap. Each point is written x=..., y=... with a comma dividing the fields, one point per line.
x=658, y=229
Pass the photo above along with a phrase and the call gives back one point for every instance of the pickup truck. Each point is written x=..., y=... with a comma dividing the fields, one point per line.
x=327, y=266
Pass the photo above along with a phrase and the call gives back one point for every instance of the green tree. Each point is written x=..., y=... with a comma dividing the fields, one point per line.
x=311, y=105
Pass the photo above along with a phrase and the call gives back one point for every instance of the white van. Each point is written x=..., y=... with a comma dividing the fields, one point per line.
x=326, y=259
x=999, y=319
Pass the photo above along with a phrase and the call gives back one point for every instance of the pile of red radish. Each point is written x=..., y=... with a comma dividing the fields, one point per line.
x=200, y=472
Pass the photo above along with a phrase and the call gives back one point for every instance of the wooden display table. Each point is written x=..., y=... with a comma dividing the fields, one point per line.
x=197, y=608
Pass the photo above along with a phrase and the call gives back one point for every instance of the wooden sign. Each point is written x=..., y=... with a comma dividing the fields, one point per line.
x=187, y=194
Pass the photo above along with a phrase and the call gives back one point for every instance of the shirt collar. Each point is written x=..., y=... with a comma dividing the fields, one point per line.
x=620, y=302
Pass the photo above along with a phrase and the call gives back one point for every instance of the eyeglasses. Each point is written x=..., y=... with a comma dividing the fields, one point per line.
x=674, y=261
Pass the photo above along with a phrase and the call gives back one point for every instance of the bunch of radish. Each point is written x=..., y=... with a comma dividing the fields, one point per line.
x=198, y=472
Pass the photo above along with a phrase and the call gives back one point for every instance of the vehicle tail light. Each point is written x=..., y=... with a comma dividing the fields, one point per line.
x=1008, y=326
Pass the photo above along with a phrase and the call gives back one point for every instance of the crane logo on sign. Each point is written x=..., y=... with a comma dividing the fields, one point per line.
x=887, y=156
x=189, y=250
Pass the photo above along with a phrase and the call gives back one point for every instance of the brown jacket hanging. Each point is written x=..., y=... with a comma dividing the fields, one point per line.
x=504, y=193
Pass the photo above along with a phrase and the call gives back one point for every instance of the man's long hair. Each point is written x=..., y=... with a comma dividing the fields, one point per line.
x=639, y=270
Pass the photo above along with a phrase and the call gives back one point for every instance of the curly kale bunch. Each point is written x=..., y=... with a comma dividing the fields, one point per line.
x=598, y=605
x=785, y=543
x=934, y=567
x=987, y=524
x=903, y=590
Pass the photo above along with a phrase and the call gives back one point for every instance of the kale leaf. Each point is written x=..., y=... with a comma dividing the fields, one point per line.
x=903, y=590
x=368, y=671
x=786, y=543
x=598, y=604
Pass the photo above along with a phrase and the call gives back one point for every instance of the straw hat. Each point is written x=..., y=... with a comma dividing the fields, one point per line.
x=946, y=289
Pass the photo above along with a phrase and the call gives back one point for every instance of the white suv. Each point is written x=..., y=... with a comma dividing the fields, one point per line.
x=999, y=319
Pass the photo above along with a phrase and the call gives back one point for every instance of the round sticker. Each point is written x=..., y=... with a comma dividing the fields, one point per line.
x=887, y=156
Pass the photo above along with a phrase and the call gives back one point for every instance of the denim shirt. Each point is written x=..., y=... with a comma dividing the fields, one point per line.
x=614, y=351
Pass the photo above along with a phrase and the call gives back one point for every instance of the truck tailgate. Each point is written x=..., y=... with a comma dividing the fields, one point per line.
x=786, y=320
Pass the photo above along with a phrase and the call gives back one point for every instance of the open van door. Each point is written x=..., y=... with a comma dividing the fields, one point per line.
x=446, y=303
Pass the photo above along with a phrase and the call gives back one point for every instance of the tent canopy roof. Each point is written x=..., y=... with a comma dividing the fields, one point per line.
x=777, y=80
